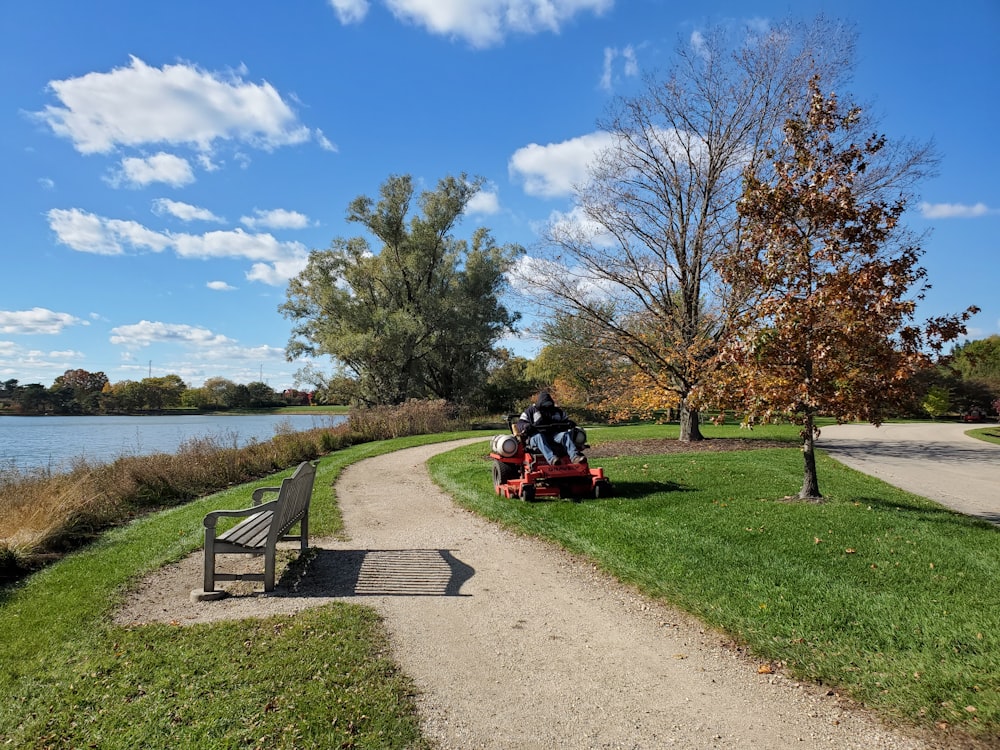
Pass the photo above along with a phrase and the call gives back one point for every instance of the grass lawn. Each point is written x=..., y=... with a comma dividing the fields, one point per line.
x=877, y=592
x=988, y=434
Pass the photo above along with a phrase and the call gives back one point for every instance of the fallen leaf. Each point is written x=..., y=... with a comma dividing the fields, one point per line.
x=971, y=709
x=765, y=669
x=817, y=540
x=850, y=550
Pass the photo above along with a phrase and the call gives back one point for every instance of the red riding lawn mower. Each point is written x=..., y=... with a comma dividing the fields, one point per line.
x=521, y=471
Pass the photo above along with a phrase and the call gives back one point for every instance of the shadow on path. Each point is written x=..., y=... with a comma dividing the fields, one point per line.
x=386, y=572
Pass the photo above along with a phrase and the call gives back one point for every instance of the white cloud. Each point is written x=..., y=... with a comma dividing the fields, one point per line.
x=699, y=44
x=277, y=272
x=484, y=202
x=37, y=320
x=236, y=244
x=276, y=218
x=162, y=167
x=47, y=183
x=556, y=169
x=220, y=286
x=484, y=23
x=87, y=232
x=232, y=353
x=955, y=211
x=574, y=225
x=177, y=104
x=16, y=362
x=631, y=62
x=350, y=11
x=630, y=68
x=147, y=332
x=183, y=211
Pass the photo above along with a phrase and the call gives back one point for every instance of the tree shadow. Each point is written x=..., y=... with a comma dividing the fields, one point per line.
x=932, y=512
x=640, y=490
x=398, y=572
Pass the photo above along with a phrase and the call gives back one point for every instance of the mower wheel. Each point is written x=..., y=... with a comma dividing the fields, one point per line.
x=503, y=472
x=528, y=493
x=602, y=489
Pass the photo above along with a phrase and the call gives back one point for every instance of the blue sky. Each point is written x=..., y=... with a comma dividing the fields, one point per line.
x=166, y=167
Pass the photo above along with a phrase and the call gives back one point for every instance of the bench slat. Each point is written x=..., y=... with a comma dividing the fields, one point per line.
x=251, y=532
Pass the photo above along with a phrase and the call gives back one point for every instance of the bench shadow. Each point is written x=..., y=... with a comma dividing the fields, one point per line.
x=394, y=572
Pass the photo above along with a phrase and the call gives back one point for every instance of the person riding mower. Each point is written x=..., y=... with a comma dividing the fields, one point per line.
x=543, y=456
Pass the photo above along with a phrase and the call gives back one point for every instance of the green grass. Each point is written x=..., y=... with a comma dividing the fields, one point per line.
x=987, y=434
x=878, y=592
x=70, y=678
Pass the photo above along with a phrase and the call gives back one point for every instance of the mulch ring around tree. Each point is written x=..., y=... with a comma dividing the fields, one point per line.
x=657, y=446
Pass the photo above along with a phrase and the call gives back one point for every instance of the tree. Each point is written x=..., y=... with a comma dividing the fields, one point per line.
x=162, y=392
x=979, y=360
x=418, y=317
x=937, y=402
x=507, y=386
x=832, y=281
x=219, y=392
x=79, y=390
x=660, y=207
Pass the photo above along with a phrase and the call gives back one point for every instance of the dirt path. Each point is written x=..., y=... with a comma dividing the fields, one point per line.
x=515, y=644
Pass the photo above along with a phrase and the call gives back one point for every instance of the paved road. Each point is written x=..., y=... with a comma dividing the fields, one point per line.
x=934, y=460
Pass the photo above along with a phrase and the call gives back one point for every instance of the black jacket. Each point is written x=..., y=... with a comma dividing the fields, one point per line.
x=543, y=412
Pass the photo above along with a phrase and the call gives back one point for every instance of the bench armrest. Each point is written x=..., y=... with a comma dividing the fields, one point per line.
x=258, y=494
x=213, y=517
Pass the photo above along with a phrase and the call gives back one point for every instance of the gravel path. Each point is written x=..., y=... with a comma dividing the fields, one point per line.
x=516, y=644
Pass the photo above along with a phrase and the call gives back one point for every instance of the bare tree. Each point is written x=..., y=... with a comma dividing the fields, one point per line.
x=660, y=207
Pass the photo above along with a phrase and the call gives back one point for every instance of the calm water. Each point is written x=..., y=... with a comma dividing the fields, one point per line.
x=53, y=442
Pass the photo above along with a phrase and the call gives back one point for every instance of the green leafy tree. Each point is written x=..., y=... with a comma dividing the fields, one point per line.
x=508, y=384
x=418, y=315
x=832, y=281
x=163, y=392
x=979, y=360
x=937, y=402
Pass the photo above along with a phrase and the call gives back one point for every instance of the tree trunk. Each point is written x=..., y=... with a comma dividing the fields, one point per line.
x=810, y=480
x=690, y=427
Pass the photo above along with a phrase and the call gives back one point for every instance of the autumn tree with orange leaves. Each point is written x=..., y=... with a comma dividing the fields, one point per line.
x=830, y=279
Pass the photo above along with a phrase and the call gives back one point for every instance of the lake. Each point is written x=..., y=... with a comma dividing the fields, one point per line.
x=53, y=442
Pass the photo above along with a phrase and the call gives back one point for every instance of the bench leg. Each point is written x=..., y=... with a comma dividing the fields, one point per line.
x=209, y=560
x=208, y=593
x=269, y=565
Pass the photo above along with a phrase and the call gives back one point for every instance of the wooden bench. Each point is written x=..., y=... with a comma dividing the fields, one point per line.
x=264, y=526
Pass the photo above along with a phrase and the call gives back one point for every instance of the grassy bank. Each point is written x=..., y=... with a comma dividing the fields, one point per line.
x=877, y=592
x=72, y=679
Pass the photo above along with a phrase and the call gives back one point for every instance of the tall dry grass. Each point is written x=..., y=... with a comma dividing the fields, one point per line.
x=43, y=515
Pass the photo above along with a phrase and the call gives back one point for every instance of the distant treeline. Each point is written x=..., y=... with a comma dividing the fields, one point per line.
x=83, y=392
